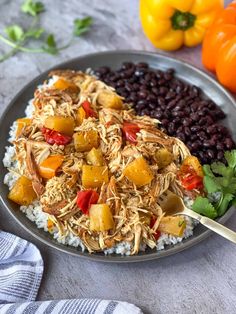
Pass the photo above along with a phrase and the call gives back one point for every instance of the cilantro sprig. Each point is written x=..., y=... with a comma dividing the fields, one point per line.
x=220, y=187
x=18, y=38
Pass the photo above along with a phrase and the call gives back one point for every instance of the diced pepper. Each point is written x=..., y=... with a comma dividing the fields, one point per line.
x=80, y=116
x=94, y=176
x=94, y=157
x=174, y=225
x=130, y=131
x=48, y=168
x=85, y=199
x=88, y=109
x=63, y=125
x=163, y=157
x=63, y=84
x=22, y=192
x=21, y=124
x=53, y=137
x=109, y=99
x=194, y=163
x=139, y=172
x=86, y=140
x=191, y=182
x=101, y=218
x=190, y=174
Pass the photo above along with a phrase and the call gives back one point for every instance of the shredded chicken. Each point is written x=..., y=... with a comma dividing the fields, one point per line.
x=126, y=201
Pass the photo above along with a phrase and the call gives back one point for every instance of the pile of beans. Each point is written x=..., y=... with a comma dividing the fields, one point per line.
x=182, y=108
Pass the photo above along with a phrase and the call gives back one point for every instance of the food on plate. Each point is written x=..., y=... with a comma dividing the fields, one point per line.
x=95, y=181
x=218, y=50
x=183, y=109
x=172, y=24
x=22, y=192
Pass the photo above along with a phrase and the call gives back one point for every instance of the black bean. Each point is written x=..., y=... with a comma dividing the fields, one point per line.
x=228, y=143
x=171, y=128
x=210, y=153
x=152, y=106
x=220, y=155
x=127, y=65
x=181, y=136
x=187, y=131
x=142, y=65
x=187, y=122
x=170, y=95
x=143, y=94
x=140, y=72
x=165, y=122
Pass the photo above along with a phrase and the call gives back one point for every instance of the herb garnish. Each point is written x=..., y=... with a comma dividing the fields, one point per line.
x=220, y=187
x=18, y=38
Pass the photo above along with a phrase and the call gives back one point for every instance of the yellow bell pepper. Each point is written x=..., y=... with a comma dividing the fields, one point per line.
x=169, y=24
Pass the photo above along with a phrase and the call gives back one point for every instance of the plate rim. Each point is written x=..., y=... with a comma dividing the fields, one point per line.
x=173, y=249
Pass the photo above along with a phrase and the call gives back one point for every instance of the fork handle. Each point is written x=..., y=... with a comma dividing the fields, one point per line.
x=218, y=228
x=212, y=224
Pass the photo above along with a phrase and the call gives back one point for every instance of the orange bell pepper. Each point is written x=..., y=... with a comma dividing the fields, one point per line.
x=219, y=47
x=169, y=24
x=48, y=168
x=63, y=84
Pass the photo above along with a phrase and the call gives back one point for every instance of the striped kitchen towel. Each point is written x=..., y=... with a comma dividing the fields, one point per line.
x=21, y=270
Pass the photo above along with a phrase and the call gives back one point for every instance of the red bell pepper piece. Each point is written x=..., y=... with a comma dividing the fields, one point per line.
x=88, y=110
x=130, y=131
x=192, y=182
x=157, y=233
x=85, y=199
x=189, y=179
x=54, y=137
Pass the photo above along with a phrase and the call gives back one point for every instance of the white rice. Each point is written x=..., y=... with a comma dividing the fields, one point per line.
x=34, y=211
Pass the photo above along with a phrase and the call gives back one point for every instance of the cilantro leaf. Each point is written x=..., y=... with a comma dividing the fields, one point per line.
x=207, y=171
x=32, y=8
x=81, y=26
x=211, y=185
x=224, y=203
x=202, y=206
x=34, y=33
x=231, y=158
x=221, y=169
x=14, y=32
x=51, y=46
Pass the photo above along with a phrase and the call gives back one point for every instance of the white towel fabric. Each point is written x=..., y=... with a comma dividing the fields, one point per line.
x=21, y=270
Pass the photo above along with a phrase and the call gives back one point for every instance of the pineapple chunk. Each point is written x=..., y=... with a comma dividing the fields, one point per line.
x=101, y=218
x=22, y=192
x=80, y=116
x=174, y=225
x=94, y=157
x=64, y=125
x=63, y=84
x=139, y=172
x=21, y=124
x=94, y=176
x=85, y=141
x=110, y=100
x=163, y=157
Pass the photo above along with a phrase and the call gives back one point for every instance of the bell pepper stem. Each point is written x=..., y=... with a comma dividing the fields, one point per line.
x=182, y=20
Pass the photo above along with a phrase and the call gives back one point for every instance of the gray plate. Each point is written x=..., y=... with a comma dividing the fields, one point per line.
x=114, y=59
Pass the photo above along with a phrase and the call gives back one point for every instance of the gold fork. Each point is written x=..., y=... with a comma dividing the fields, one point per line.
x=172, y=204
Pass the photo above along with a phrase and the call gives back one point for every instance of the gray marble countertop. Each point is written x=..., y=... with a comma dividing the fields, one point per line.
x=199, y=280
